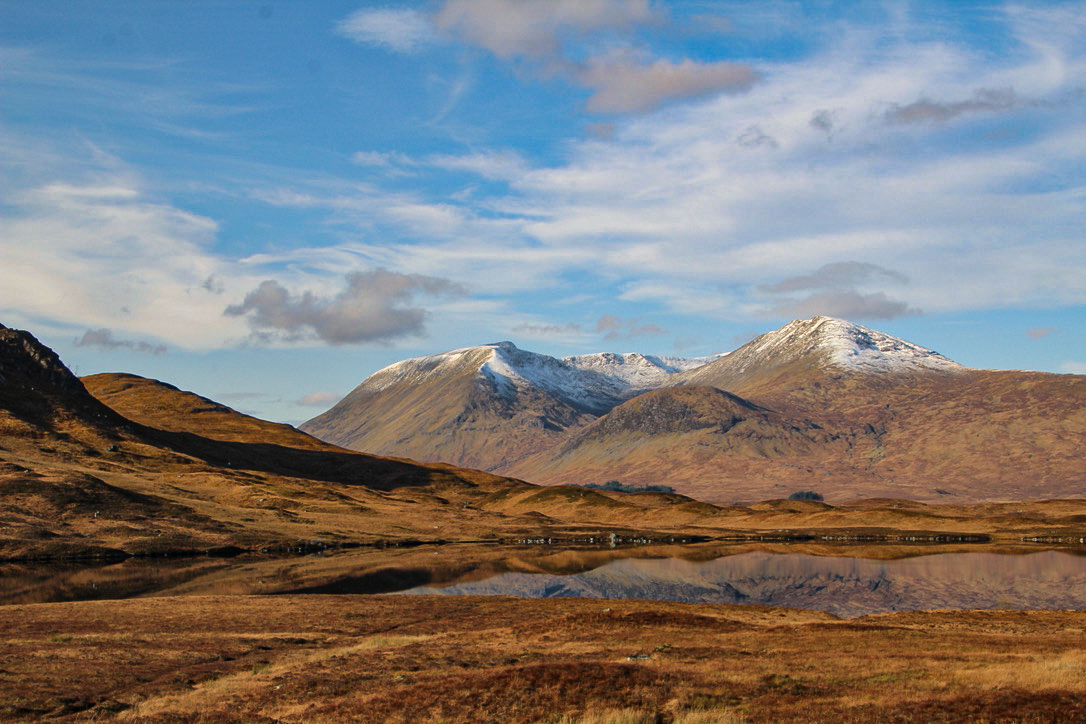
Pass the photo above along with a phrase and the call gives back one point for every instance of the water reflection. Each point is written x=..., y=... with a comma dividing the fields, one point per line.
x=844, y=580
x=843, y=586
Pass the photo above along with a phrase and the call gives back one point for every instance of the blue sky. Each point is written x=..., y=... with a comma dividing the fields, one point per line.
x=265, y=202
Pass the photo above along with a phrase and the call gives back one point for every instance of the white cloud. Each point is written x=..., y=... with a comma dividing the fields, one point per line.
x=694, y=208
x=101, y=254
x=1075, y=368
x=402, y=30
x=678, y=197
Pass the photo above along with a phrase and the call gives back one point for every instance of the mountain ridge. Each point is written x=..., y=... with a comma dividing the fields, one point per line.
x=840, y=406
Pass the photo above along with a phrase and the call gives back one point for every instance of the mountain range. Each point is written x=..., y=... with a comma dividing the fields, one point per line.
x=113, y=465
x=823, y=404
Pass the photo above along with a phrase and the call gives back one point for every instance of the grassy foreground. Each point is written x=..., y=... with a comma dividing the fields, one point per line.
x=323, y=658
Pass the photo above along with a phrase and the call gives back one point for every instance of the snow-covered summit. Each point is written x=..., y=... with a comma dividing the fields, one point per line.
x=512, y=368
x=595, y=381
x=842, y=344
x=638, y=371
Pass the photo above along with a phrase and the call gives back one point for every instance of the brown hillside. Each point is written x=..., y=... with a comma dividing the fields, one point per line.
x=163, y=406
x=967, y=437
x=446, y=410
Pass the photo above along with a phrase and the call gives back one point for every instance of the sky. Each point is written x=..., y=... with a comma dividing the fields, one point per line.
x=265, y=202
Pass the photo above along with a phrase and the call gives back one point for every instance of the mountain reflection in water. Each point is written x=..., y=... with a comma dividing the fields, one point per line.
x=843, y=586
x=847, y=581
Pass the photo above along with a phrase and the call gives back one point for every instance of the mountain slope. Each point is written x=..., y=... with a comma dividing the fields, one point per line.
x=477, y=406
x=821, y=404
x=165, y=407
x=77, y=478
x=974, y=436
x=700, y=440
x=800, y=358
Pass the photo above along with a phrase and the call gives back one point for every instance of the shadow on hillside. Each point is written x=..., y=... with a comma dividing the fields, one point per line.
x=347, y=468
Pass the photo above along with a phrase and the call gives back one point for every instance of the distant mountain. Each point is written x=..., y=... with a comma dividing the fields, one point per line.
x=806, y=353
x=485, y=406
x=638, y=371
x=821, y=404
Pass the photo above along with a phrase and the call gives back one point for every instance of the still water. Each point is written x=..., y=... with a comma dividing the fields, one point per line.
x=844, y=586
x=842, y=581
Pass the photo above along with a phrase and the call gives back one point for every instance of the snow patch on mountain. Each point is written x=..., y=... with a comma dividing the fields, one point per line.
x=595, y=382
x=638, y=371
x=418, y=369
x=511, y=367
x=846, y=345
x=598, y=382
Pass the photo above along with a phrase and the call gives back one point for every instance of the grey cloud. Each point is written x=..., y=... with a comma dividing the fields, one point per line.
x=823, y=120
x=622, y=85
x=213, y=284
x=376, y=306
x=835, y=276
x=847, y=304
x=103, y=339
x=613, y=327
x=754, y=137
x=988, y=100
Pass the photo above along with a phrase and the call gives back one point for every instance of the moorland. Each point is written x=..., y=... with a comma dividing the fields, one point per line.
x=116, y=466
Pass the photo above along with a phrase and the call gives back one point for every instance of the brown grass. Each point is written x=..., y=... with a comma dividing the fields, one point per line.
x=391, y=658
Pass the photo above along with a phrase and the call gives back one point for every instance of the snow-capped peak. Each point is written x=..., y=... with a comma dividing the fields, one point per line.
x=845, y=345
x=510, y=367
x=638, y=371
x=595, y=382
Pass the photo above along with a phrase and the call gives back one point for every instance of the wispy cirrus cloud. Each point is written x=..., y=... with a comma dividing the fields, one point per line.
x=400, y=29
